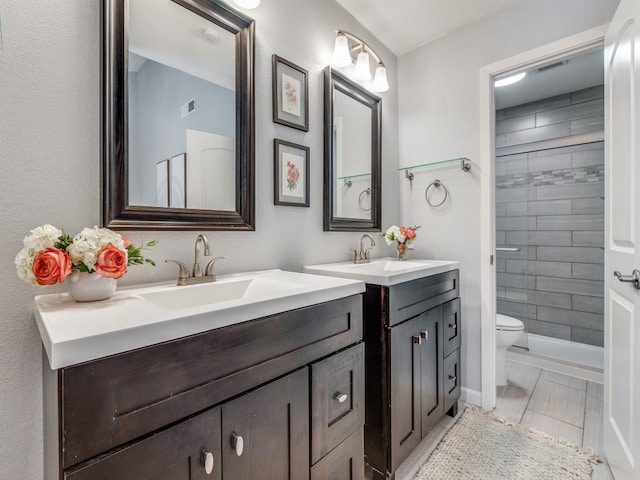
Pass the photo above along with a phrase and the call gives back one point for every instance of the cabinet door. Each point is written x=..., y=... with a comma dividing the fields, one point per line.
x=431, y=393
x=178, y=453
x=265, y=433
x=405, y=388
x=343, y=462
x=337, y=400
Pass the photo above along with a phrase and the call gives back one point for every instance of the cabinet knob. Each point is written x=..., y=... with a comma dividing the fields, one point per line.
x=237, y=443
x=453, y=325
x=416, y=339
x=341, y=397
x=453, y=377
x=206, y=458
x=424, y=334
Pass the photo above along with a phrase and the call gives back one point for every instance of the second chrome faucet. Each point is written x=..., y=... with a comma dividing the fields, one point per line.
x=363, y=255
x=196, y=276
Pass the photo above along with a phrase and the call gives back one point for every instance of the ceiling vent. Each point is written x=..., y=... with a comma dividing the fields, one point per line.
x=553, y=65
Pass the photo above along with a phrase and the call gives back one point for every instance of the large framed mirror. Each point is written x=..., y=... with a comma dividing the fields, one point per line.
x=177, y=116
x=352, y=156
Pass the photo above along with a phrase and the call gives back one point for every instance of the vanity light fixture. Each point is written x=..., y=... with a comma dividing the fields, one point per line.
x=349, y=49
x=247, y=4
x=503, y=82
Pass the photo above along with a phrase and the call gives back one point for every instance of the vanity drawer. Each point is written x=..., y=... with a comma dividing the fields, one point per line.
x=108, y=402
x=451, y=325
x=452, y=380
x=406, y=300
x=337, y=399
x=173, y=454
x=345, y=462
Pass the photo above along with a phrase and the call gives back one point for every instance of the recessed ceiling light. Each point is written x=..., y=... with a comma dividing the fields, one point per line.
x=510, y=80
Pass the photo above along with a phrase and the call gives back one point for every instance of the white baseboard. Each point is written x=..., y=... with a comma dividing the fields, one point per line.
x=471, y=396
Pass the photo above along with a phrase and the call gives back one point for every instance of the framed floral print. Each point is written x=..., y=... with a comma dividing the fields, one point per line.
x=290, y=94
x=291, y=174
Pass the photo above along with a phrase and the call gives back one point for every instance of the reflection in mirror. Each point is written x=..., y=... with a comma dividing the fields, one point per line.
x=352, y=156
x=181, y=107
x=178, y=121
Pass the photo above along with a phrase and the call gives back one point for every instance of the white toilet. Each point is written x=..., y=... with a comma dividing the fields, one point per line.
x=508, y=331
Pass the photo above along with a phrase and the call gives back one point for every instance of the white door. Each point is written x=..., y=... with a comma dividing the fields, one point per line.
x=211, y=171
x=622, y=236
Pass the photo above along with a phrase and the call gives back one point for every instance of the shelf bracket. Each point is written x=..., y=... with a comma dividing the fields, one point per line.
x=409, y=175
x=348, y=183
x=465, y=164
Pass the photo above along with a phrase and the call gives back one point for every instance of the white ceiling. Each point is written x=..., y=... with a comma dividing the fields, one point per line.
x=428, y=20
x=403, y=25
x=168, y=33
x=579, y=72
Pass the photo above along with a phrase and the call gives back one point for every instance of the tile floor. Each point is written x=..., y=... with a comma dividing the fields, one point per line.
x=557, y=404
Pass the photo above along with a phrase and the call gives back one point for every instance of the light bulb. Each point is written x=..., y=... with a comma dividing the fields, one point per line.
x=380, y=82
x=248, y=4
x=341, y=55
x=510, y=80
x=362, y=71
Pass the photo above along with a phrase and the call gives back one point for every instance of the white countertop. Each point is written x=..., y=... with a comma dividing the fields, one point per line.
x=75, y=332
x=384, y=271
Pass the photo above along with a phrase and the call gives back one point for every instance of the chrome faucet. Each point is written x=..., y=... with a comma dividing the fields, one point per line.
x=363, y=255
x=197, y=271
x=184, y=278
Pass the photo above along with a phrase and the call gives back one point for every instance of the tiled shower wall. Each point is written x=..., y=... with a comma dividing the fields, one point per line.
x=550, y=204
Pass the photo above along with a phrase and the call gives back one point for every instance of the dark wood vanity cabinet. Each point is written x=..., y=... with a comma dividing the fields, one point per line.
x=412, y=338
x=280, y=397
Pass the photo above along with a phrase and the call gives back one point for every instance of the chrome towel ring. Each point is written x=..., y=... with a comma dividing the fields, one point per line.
x=368, y=192
x=437, y=184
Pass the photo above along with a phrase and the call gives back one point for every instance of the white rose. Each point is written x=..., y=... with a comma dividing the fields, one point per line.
x=24, y=264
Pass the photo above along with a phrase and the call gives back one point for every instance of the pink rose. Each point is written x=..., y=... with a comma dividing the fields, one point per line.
x=51, y=266
x=112, y=262
x=126, y=241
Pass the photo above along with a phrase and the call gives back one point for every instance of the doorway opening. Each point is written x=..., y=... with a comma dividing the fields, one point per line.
x=538, y=60
x=549, y=180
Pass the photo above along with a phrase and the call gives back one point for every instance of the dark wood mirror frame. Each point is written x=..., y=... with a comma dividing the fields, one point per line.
x=116, y=211
x=335, y=81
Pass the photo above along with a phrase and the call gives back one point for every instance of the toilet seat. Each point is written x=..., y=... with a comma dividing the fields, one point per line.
x=507, y=323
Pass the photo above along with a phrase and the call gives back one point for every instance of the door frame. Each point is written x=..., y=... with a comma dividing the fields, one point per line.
x=559, y=50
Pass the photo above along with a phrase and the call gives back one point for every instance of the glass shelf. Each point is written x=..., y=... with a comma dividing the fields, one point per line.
x=465, y=165
x=346, y=177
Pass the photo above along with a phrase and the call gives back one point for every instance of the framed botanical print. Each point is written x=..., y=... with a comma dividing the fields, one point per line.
x=290, y=94
x=291, y=174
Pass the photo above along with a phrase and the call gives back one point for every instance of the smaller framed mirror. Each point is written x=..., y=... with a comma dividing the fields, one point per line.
x=352, y=156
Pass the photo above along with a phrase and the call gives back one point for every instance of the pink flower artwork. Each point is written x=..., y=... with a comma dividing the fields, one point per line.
x=293, y=174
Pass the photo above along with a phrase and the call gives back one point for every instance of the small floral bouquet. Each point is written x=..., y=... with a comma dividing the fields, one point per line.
x=49, y=255
x=403, y=236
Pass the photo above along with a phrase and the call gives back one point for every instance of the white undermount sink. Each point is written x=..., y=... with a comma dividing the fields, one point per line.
x=137, y=317
x=216, y=292
x=384, y=271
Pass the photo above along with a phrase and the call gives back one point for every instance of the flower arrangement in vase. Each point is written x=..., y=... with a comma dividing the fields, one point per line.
x=403, y=236
x=92, y=260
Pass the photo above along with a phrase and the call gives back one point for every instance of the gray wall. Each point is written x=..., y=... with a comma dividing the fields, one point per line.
x=50, y=152
x=550, y=204
x=440, y=118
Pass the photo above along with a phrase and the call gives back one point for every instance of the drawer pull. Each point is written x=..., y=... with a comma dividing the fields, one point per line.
x=453, y=377
x=237, y=443
x=453, y=325
x=424, y=334
x=341, y=397
x=417, y=339
x=207, y=460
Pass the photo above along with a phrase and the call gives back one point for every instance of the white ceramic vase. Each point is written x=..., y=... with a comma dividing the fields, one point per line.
x=90, y=287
